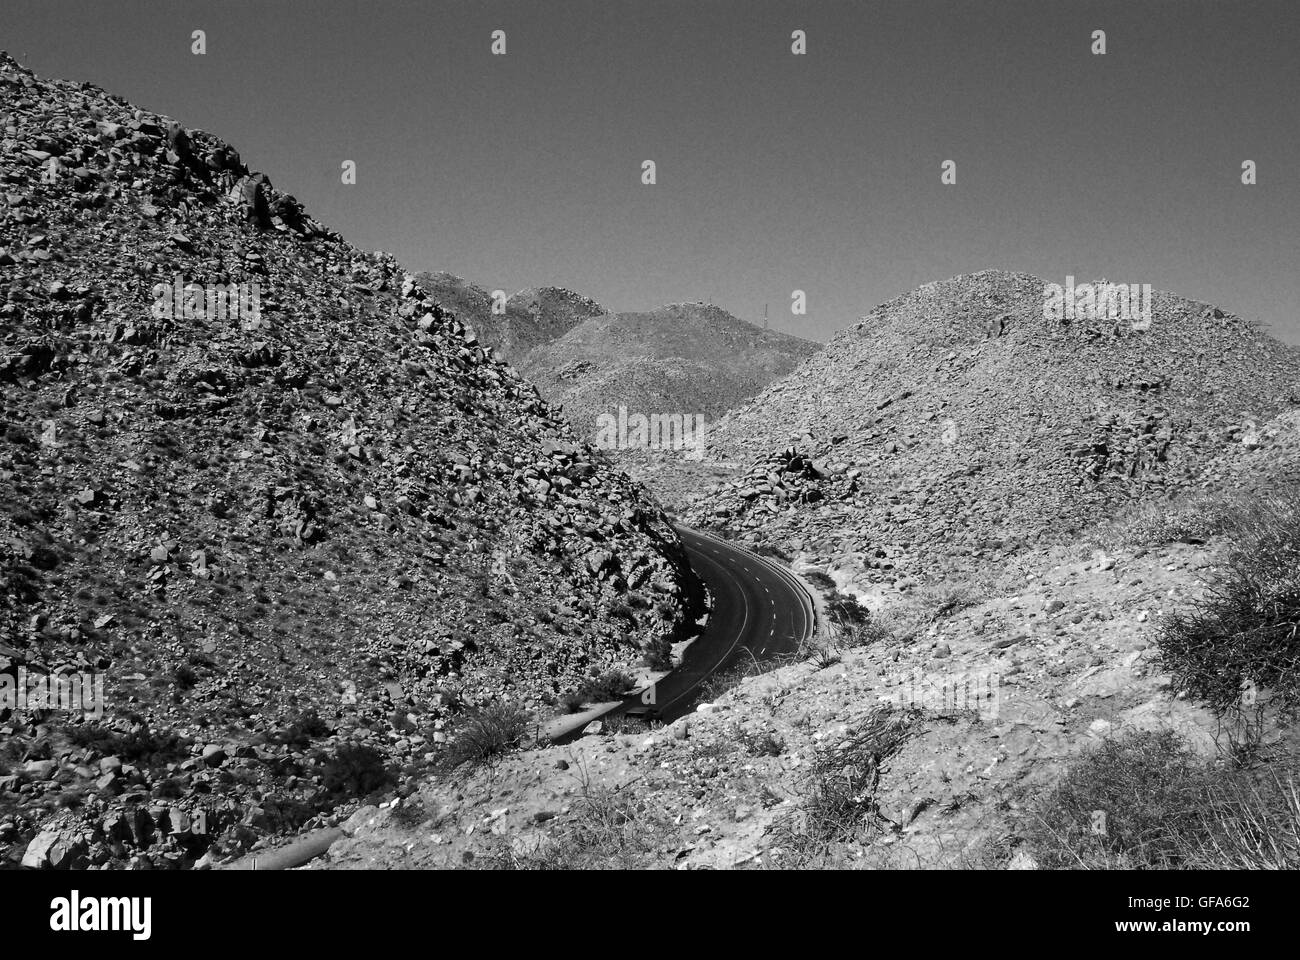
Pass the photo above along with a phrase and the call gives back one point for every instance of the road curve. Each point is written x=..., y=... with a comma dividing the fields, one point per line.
x=759, y=609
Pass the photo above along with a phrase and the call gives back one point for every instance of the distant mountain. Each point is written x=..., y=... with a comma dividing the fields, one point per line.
x=968, y=417
x=527, y=319
x=688, y=359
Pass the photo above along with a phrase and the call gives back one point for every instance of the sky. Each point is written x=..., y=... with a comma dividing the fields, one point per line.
x=775, y=172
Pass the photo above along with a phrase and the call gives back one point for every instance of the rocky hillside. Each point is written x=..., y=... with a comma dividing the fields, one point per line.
x=685, y=358
x=528, y=319
x=309, y=501
x=866, y=758
x=956, y=419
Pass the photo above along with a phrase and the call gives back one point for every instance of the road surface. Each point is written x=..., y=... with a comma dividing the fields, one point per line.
x=760, y=610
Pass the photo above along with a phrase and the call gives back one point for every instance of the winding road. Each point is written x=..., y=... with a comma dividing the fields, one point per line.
x=759, y=609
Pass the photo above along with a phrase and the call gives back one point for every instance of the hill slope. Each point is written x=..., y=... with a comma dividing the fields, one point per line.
x=332, y=502
x=685, y=358
x=956, y=419
x=530, y=318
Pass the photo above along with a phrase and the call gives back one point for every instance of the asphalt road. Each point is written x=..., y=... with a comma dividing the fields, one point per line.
x=760, y=610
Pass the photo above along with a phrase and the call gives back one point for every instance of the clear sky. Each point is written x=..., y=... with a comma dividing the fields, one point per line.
x=775, y=172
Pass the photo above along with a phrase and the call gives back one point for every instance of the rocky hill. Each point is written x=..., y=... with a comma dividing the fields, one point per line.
x=528, y=319
x=684, y=358
x=275, y=496
x=958, y=419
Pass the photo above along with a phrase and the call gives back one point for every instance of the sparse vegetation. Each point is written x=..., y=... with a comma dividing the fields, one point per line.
x=839, y=802
x=875, y=630
x=946, y=598
x=822, y=652
x=410, y=813
x=763, y=743
x=302, y=730
x=772, y=550
x=484, y=734
x=845, y=610
x=606, y=830
x=1239, y=642
x=820, y=579
x=1189, y=519
x=138, y=745
x=731, y=677
x=355, y=770
x=610, y=685
x=1146, y=801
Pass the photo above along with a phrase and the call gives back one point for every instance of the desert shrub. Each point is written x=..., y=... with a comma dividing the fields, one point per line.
x=611, y=685
x=845, y=610
x=355, y=770
x=138, y=745
x=1188, y=519
x=302, y=730
x=820, y=580
x=839, y=803
x=876, y=629
x=728, y=678
x=184, y=677
x=484, y=734
x=945, y=599
x=410, y=813
x=168, y=789
x=1146, y=786
x=771, y=550
x=658, y=656
x=764, y=743
x=1165, y=808
x=822, y=652
x=605, y=830
x=1243, y=632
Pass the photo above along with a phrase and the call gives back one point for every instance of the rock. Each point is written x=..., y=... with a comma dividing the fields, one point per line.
x=214, y=755
x=253, y=203
x=360, y=819
x=110, y=764
x=40, y=770
x=67, y=854
x=37, y=855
